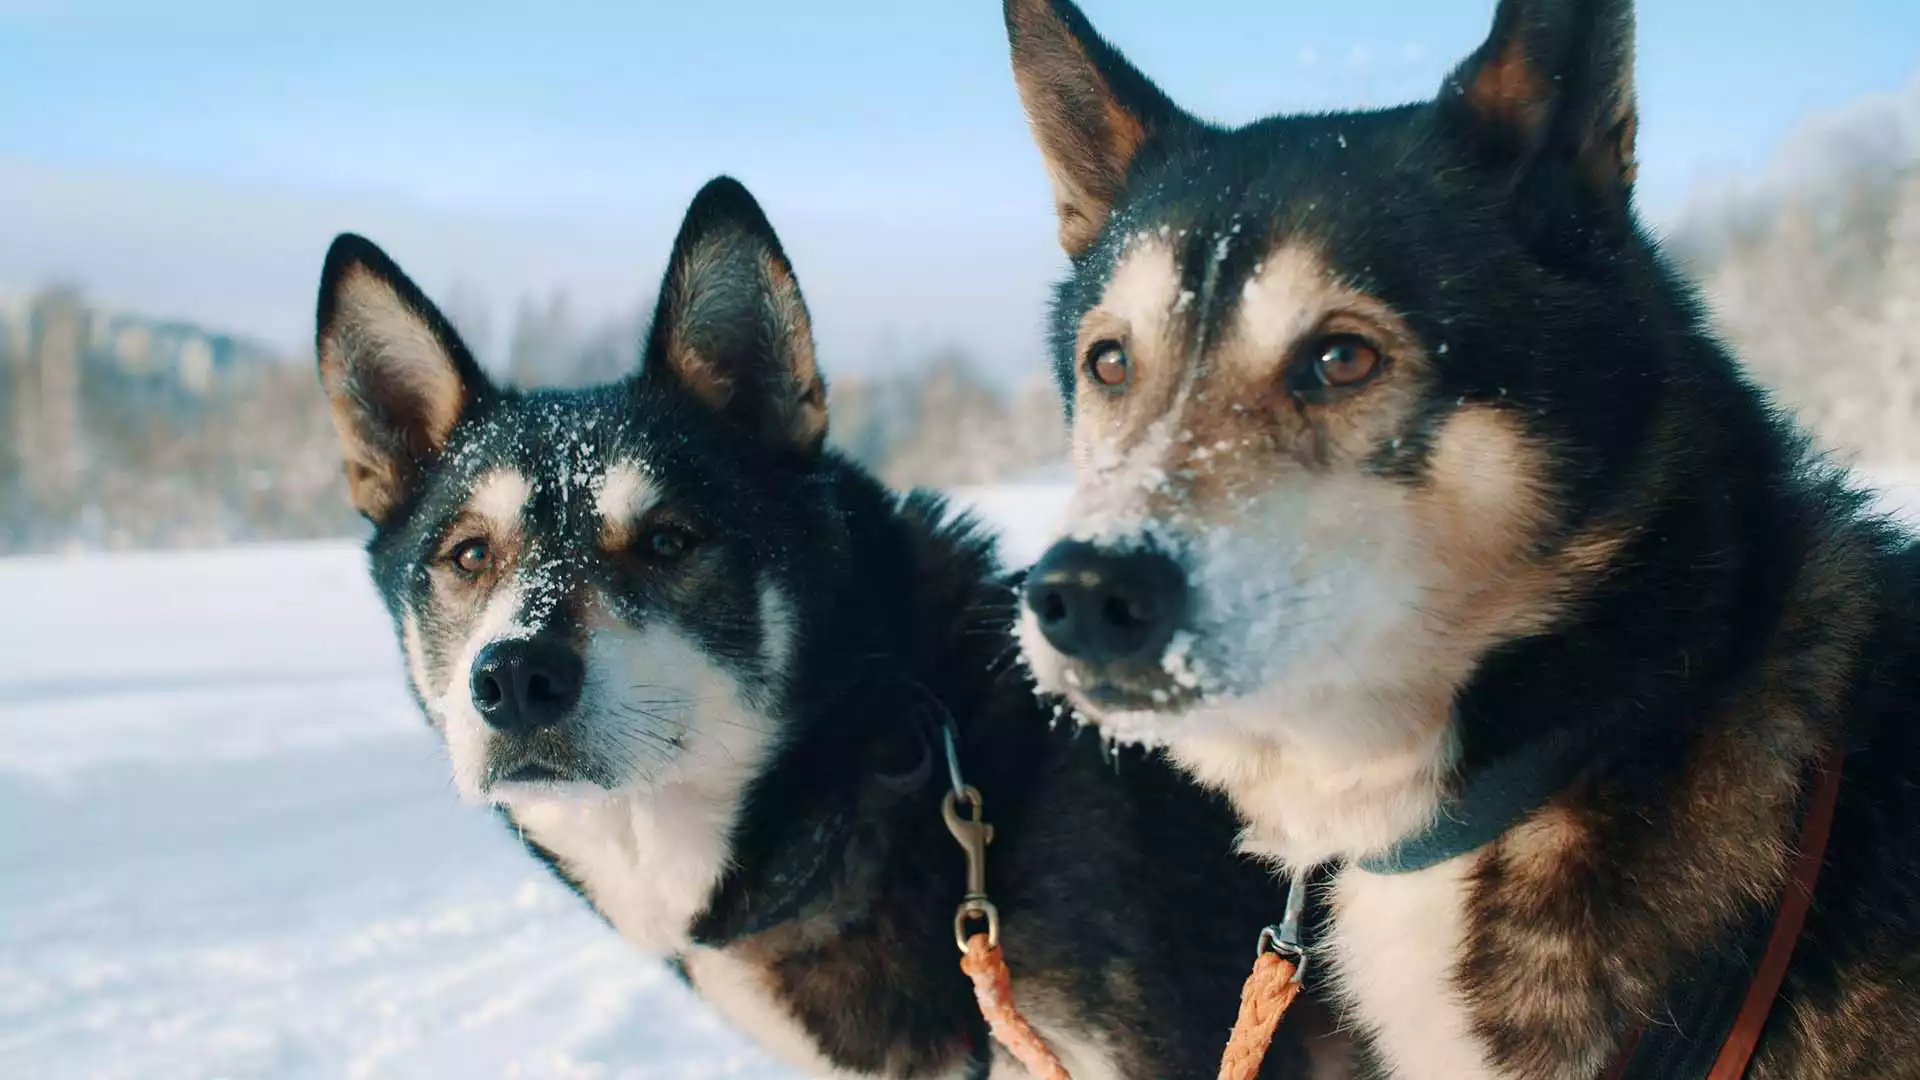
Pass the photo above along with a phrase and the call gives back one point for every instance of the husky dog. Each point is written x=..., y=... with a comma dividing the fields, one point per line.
x=705, y=665
x=1420, y=511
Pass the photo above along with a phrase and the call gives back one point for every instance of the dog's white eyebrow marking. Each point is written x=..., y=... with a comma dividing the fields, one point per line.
x=1144, y=292
x=625, y=495
x=1280, y=303
x=501, y=497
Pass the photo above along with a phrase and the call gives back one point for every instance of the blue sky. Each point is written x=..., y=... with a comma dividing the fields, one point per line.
x=195, y=156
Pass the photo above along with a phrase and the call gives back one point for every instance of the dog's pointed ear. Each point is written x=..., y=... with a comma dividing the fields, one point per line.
x=1548, y=99
x=396, y=374
x=731, y=327
x=1090, y=111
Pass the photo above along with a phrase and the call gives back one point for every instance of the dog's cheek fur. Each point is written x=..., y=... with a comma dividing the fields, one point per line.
x=649, y=855
x=658, y=709
x=465, y=730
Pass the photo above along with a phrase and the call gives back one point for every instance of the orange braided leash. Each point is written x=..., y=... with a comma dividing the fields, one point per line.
x=980, y=950
x=993, y=989
x=1265, y=998
x=1279, y=963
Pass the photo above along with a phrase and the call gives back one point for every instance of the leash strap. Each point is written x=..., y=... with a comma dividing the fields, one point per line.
x=976, y=929
x=1732, y=1034
x=993, y=989
x=1279, y=969
x=1266, y=997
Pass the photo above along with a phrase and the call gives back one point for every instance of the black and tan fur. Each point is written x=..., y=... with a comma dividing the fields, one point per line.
x=1554, y=504
x=739, y=766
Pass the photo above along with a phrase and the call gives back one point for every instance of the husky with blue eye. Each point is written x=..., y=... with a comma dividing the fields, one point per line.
x=1419, y=510
x=705, y=666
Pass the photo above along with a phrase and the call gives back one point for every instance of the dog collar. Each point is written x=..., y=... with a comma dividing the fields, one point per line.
x=1490, y=800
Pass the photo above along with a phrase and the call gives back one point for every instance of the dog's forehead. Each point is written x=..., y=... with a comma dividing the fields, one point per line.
x=1353, y=185
x=568, y=462
x=1225, y=298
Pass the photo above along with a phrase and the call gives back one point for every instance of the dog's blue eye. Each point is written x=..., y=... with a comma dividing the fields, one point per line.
x=1107, y=365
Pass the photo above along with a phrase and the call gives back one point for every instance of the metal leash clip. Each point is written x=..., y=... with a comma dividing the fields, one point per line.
x=1285, y=939
x=973, y=834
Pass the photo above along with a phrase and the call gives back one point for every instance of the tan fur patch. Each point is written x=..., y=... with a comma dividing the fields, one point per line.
x=1479, y=511
x=794, y=407
x=807, y=419
x=392, y=388
x=1507, y=88
x=696, y=372
x=1537, y=850
x=1086, y=136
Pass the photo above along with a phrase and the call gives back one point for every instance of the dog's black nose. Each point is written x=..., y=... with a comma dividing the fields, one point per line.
x=1103, y=607
x=520, y=686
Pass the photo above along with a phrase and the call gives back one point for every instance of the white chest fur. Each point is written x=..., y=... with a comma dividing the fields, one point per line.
x=647, y=862
x=1396, y=941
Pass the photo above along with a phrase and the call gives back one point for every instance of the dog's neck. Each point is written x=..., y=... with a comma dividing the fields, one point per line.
x=841, y=829
x=1710, y=667
x=926, y=622
x=1609, y=669
x=1305, y=805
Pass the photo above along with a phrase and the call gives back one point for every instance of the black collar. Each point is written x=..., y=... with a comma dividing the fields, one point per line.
x=1491, y=800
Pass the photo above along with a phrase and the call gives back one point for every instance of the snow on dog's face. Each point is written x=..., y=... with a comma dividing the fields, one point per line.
x=1239, y=547
x=592, y=588
x=1319, y=371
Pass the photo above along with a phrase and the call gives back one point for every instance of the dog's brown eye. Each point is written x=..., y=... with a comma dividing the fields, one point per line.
x=473, y=557
x=666, y=542
x=1346, y=360
x=1107, y=365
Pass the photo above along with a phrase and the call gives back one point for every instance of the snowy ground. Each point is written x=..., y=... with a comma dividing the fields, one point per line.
x=228, y=847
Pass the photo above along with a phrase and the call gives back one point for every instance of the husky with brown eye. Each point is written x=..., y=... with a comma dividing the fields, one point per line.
x=706, y=668
x=1419, y=510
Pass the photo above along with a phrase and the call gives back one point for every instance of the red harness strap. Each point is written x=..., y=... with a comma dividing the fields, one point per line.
x=1791, y=917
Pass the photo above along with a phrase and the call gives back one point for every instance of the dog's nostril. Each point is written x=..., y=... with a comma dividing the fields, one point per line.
x=1053, y=608
x=1118, y=612
x=540, y=688
x=486, y=691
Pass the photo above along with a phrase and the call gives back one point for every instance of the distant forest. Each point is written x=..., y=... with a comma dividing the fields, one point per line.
x=120, y=431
